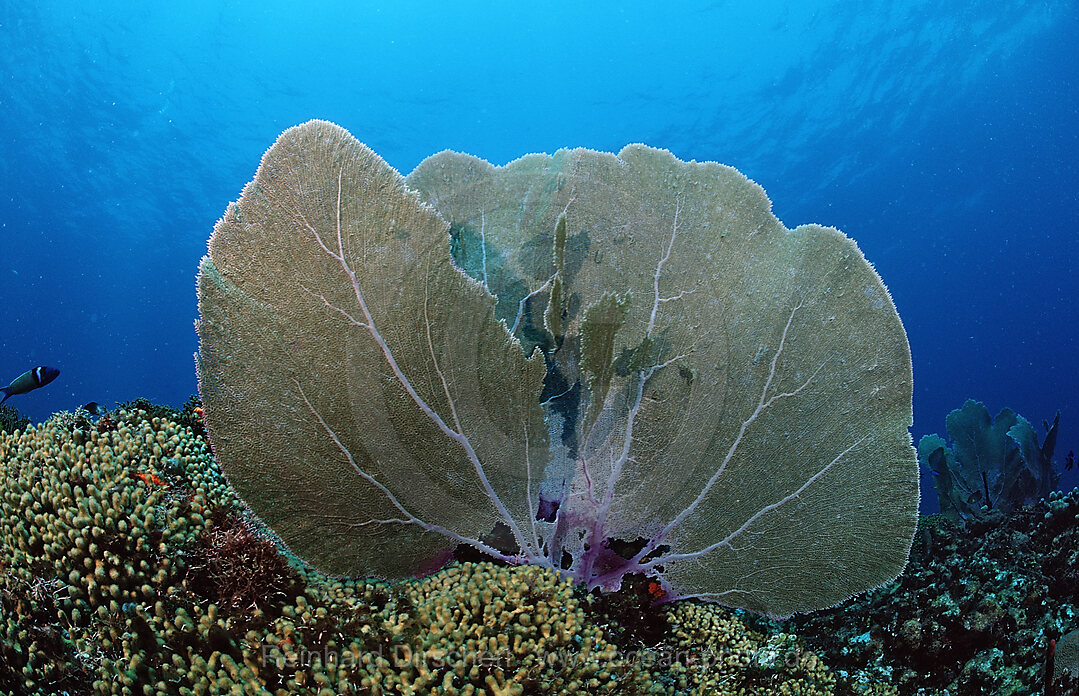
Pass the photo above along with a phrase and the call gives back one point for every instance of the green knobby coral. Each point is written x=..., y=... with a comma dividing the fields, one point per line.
x=731, y=659
x=94, y=521
x=128, y=567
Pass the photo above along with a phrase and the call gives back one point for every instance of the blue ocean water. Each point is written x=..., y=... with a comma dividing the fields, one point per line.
x=941, y=136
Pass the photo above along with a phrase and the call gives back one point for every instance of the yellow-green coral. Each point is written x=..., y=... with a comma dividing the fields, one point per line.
x=741, y=662
x=470, y=629
x=93, y=527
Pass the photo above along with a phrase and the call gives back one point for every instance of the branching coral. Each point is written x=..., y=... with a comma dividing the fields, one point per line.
x=75, y=516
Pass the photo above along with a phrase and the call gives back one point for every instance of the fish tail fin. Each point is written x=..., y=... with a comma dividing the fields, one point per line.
x=6, y=395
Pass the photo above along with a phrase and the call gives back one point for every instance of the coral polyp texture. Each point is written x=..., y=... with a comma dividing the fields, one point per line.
x=625, y=362
x=95, y=521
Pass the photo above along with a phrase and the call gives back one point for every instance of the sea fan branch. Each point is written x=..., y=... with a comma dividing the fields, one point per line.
x=762, y=405
x=458, y=437
x=729, y=539
x=409, y=517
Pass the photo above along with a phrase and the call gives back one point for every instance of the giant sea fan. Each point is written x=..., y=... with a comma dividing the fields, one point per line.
x=625, y=361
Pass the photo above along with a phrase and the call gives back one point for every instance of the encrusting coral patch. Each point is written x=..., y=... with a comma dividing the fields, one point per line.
x=130, y=567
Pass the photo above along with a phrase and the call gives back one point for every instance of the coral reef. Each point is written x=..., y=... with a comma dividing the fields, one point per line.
x=130, y=567
x=1062, y=669
x=732, y=659
x=94, y=523
x=975, y=609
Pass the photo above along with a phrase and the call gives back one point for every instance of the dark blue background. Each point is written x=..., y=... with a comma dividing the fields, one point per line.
x=942, y=138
